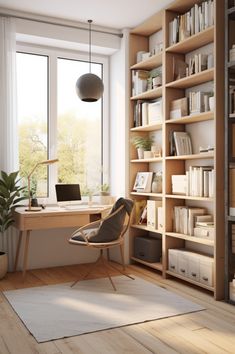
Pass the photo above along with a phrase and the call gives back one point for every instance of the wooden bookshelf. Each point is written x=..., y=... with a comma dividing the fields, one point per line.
x=157, y=265
x=193, y=80
x=198, y=125
x=146, y=228
x=148, y=95
x=194, y=118
x=156, y=159
x=147, y=128
x=191, y=238
x=150, y=63
x=194, y=42
x=202, y=155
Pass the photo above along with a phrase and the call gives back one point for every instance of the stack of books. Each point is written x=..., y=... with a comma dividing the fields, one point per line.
x=179, y=108
x=198, y=18
x=204, y=227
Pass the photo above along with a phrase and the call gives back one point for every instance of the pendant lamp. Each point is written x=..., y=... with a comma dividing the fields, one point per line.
x=89, y=87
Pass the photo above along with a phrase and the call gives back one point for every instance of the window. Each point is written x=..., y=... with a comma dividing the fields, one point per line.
x=54, y=122
x=32, y=97
x=79, y=129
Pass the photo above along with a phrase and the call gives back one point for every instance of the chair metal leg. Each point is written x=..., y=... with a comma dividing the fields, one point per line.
x=107, y=272
x=89, y=270
x=122, y=257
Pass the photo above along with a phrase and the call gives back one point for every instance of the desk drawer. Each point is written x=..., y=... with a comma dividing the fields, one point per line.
x=55, y=221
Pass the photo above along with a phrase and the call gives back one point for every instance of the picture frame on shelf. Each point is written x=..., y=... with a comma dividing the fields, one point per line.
x=143, y=182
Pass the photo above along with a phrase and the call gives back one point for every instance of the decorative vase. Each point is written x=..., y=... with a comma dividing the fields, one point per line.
x=3, y=264
x=140, y=152
x=157, y=183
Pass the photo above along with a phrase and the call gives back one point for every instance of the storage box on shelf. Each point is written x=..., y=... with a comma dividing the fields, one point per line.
x=190, y=77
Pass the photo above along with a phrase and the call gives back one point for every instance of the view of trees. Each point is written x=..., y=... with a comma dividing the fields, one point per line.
x=78, y=150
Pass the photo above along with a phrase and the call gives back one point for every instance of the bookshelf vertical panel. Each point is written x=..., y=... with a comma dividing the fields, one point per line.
x=219, y=152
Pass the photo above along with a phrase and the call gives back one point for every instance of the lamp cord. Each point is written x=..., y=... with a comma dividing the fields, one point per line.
x=89, y=21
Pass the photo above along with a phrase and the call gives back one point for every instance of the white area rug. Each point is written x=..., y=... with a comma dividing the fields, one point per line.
x=57, y=311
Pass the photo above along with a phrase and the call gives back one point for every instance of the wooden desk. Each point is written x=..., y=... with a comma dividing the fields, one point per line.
x=51, y=218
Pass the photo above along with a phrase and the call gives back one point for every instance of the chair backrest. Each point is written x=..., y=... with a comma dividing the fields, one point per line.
x=116, y=223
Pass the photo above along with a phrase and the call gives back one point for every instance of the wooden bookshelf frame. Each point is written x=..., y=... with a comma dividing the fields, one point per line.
x=170, y=90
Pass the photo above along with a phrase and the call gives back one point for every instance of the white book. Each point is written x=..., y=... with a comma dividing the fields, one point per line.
x=145, y=113
x=151, y=214
x=160, y=220
x=192, y=212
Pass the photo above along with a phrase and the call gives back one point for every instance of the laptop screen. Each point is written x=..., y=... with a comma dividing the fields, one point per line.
x=67, y=192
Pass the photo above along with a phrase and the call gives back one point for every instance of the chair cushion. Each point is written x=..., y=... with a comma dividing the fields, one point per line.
x=88, y=233
x=111, y=228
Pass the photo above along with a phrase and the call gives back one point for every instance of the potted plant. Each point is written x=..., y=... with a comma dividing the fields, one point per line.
x=142, y=144
x=9, y=199
x=104, y=194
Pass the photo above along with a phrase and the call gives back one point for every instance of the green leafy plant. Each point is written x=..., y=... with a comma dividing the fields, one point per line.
x=10, y=196
x=142, y=142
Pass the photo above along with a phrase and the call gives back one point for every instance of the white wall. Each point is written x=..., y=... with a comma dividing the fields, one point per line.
x=119, y=126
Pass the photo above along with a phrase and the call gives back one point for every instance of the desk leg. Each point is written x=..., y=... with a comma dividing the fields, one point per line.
x=18, y=250
x=26, y=249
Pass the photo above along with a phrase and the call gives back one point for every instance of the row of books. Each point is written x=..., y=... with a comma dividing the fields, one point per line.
x=232, y=99
x=180, y=143
x=147, y=113
x=190, y=220
x=232, y=53
x=143, y=80
x=139, y=81
x=233, y=238
x=199, y=102
x=198, y=18
x=197, y=63
x=199, y=181
x=149, y=213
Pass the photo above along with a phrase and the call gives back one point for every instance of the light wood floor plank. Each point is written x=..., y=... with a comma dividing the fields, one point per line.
x=209, y=331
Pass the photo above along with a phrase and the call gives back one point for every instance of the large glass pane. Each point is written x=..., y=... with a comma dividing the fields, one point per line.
x=32, y=96
x=79, y=129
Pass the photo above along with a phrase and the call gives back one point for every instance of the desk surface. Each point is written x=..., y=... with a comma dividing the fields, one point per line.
x=57, y=217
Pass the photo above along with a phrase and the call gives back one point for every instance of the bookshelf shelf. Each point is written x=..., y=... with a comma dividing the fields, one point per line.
x=157, y=195
x=156, y=159
x=150, y=94
x=150, y=63
x=190, y=280
x=194, y=42
x=202, y=155
x=147, y=128
x=206, y=128
x=157, y=266
x=145, y=228
x=189, y=197
x=191, y=238
x=201, y=117
x=193, y=80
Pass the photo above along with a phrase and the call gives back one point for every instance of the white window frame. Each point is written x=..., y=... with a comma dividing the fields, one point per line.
x=53, y=54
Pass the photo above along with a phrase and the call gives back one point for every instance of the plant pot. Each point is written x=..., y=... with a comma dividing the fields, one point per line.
x=3, y=264
x=140, y=152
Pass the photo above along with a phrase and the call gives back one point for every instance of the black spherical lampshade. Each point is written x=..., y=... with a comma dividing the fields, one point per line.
x=89, y=87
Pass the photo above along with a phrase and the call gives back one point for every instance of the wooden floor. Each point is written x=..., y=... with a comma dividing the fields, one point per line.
x=210, y=331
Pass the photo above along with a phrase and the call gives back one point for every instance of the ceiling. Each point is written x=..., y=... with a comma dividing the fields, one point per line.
x=116, y=14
